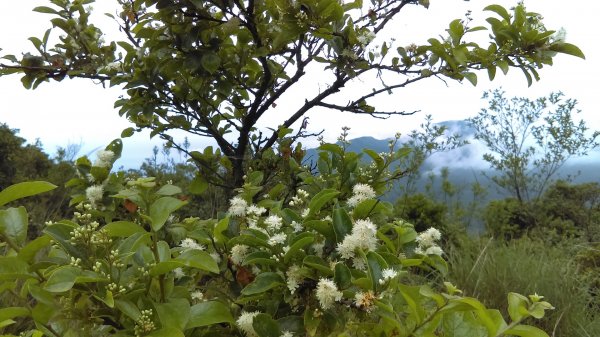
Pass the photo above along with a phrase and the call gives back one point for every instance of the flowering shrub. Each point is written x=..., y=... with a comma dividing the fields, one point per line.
x=325, y=259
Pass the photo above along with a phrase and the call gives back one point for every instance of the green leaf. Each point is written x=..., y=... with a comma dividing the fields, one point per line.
x=209, y=313
x=123, y=228
x=265, y=326
x=62, y=279
x=320, y=199
x=376, y=264
x=210, y=62
x=175, y=314
x=342, y=276
x=526, y=331
x=44, y=9
x=161, y=209
x=567, y=48
x=263, y=283
x=297, y=246
x=28, y=252
x=220, y=228
x=462, y=323
x=198, y=259
x=25, y=189
x=128, y=308
x=342, y=224
x=498, y=10
x=472, y=77
x=167, y=332
x=318, y=264
x=12, y=312
x=169, y=190
x=13, y=224
x=128, y=132
x=12, y=268
x=517, y=306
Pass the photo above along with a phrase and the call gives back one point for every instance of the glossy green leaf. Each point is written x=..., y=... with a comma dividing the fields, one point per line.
x=342, y=224
x=265, y=326
x=567, y=48
x=13, y=312
x=263, y=282
x=174, y=314
x=526, y=331
x=297, y=246
x=209, y=313
x=320, y=199
x=62, y=279
x=517, y=306
x=25, y=189
x=161, y=209
x=13, y=224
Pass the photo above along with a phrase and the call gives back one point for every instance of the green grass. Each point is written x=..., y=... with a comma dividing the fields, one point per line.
x=489, y=270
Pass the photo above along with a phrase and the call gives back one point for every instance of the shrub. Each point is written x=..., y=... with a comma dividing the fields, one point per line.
x=326, y=261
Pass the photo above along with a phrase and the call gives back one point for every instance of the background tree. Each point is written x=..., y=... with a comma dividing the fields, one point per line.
x=214, y=68
x=529, y=140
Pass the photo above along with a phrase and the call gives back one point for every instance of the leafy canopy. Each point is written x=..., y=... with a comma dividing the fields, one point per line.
x=214, y=68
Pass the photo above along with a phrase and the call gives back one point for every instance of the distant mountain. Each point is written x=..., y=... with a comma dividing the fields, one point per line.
x=466, y=165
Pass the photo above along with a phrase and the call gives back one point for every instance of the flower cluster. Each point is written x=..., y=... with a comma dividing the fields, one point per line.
x=94, y=194
x=327, y=293
x=427, y=242
x=245, y=323
x=360, y=192
x=104, y=158
x=363, y=236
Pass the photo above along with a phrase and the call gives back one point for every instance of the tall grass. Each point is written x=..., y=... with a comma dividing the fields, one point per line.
x=488, y=269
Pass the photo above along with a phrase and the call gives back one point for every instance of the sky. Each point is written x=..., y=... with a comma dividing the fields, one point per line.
x=81, y=112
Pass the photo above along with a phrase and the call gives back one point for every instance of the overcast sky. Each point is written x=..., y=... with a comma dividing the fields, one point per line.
x=78, y=111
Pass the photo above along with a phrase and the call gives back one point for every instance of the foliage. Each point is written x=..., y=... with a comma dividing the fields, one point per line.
x=20, y=161
x=328, y=261
x=508, y=218
x=24, y=162
x=564, y=211
x=421, y=211
x=530, y=140
x=487, y=268
x=214, y=69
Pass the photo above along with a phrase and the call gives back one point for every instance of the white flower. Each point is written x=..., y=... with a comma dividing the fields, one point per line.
x=293, y=278
x=363, y=236
x=327, y=293
x=238, y=206
x=387, y=274
x=318, y=247
x=360, y=192
x=197, y=295
x=305, y=212
x=255, y=210
x=94, y=193
x=364, y=189
x=277, y=239
x=434, y=250
x=428, y=238
x=245, y=323
x=188, y=243
x=366, y=38
x=273, y=222
x=104, y=158
x=178, y=273
x=238, y=254
x=298, y=227
x=286, y=333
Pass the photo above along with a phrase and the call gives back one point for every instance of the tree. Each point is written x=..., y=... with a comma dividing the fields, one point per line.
x=214, y=68
x=530, y=140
